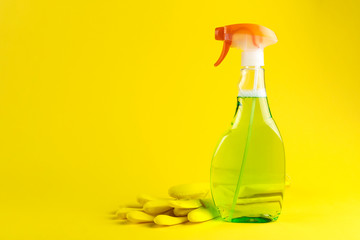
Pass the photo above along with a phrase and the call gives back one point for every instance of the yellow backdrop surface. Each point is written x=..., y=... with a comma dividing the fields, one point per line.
x=102, y=100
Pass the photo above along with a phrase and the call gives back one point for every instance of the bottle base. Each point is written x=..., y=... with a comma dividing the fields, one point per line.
x=260, y=212
x=250, y=220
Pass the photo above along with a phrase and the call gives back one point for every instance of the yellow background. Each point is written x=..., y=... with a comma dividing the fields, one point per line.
x=102, y=100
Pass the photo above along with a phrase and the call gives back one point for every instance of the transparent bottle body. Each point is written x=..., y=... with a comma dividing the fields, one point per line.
x=248, y=166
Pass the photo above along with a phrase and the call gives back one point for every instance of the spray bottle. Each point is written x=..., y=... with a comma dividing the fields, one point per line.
x=248, y=166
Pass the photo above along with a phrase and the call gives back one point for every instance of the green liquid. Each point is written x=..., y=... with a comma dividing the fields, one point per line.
x=248, y=167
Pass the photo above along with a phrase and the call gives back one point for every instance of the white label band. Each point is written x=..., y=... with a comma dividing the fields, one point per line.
x=252, y=93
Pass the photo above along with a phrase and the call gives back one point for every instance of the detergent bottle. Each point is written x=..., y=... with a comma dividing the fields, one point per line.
x=248, y=166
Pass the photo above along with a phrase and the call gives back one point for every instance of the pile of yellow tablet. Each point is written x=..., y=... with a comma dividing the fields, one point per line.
x=188, y=203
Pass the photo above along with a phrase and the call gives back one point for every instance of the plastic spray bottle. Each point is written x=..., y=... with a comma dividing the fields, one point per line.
x=248, y=166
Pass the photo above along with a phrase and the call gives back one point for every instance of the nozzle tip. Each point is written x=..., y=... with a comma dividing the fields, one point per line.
x=219, y=33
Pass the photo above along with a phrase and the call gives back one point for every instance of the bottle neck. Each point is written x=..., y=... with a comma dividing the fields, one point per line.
x=252, y=83
x=252, y=101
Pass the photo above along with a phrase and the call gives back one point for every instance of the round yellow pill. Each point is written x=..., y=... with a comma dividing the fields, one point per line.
x=139, y=217
x=201, y=215
x=181, y=212
x=122, y=212
x=157, y=206
x=190, y=191
x=166, y=220
x=182, y=203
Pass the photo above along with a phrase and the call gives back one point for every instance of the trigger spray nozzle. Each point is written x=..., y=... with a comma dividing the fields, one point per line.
x=251, y=38
x=220, y=35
